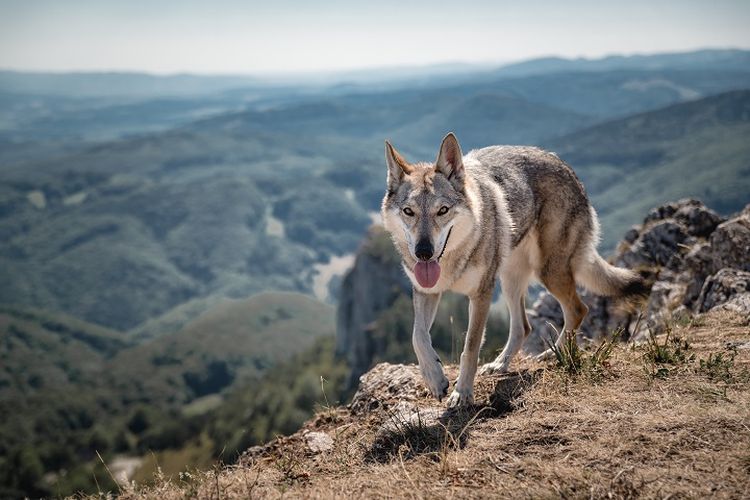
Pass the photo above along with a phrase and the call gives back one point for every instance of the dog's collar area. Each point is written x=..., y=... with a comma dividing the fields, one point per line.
x=445, y=244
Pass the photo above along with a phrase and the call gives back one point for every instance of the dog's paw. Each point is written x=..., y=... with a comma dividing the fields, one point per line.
x=493, y=368
x=461, y=397
x=435, y=379
x=545, y=356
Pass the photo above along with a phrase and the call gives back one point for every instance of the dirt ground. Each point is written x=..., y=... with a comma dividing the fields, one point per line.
x=634, y=428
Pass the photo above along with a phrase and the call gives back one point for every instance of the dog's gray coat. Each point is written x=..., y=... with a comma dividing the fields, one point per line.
x=513, y=212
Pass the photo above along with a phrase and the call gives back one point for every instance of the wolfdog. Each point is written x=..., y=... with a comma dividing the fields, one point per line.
x=514, y=212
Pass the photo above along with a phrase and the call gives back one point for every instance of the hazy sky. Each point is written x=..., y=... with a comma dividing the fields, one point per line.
x=231, y=36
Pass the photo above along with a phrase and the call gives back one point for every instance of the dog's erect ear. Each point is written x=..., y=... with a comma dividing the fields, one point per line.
x=449, y=161
x=397, y=166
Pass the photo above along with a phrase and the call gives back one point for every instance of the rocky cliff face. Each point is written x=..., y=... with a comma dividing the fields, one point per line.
x=694, y=258
x=369, y=288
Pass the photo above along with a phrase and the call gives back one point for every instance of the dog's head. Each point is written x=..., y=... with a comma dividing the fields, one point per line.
x=426, y=208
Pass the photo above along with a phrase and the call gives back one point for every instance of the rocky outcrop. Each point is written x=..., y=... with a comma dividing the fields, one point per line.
x=372, y=285
x=396, y=403
x=729, y=288
x=694, y=259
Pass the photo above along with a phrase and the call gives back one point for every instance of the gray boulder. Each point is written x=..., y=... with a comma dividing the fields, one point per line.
x=730, y=244
x=728, y=285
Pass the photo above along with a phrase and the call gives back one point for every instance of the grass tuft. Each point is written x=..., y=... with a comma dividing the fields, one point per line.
x=290, y=464
x=719, y=367
x=574, y=361
x=674, y=351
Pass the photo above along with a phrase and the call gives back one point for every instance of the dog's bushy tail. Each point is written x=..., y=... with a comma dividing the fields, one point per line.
x=599, y=276
x=602, y=278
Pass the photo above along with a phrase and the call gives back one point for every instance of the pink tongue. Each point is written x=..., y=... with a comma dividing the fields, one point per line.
x=427, y=273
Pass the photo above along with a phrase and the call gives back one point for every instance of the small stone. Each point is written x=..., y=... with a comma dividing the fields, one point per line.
x=318, y=442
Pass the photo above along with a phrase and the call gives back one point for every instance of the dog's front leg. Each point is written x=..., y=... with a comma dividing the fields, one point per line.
x=425, y=308
x=479, y=308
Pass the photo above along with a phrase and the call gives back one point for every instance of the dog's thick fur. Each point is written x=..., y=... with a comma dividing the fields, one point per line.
x=517, y=213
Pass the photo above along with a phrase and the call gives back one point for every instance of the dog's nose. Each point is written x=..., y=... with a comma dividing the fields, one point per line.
x=424, y=250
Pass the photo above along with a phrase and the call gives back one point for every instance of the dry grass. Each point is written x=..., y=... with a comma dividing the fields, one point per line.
x=539, y=433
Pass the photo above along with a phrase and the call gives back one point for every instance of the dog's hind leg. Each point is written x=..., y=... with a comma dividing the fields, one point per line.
x=479, y=308
x=425, y=308
x=563, y=287
x=515, y=282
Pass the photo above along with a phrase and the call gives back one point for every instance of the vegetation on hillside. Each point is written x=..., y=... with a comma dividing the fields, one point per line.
x=53, y=402
x=71, y=390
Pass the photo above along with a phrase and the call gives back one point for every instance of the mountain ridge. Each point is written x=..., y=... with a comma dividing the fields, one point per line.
x=693, y=149
x=185, y=83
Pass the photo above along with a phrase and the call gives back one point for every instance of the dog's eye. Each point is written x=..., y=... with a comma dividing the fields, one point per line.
x=443, y=210
x=408, y=211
